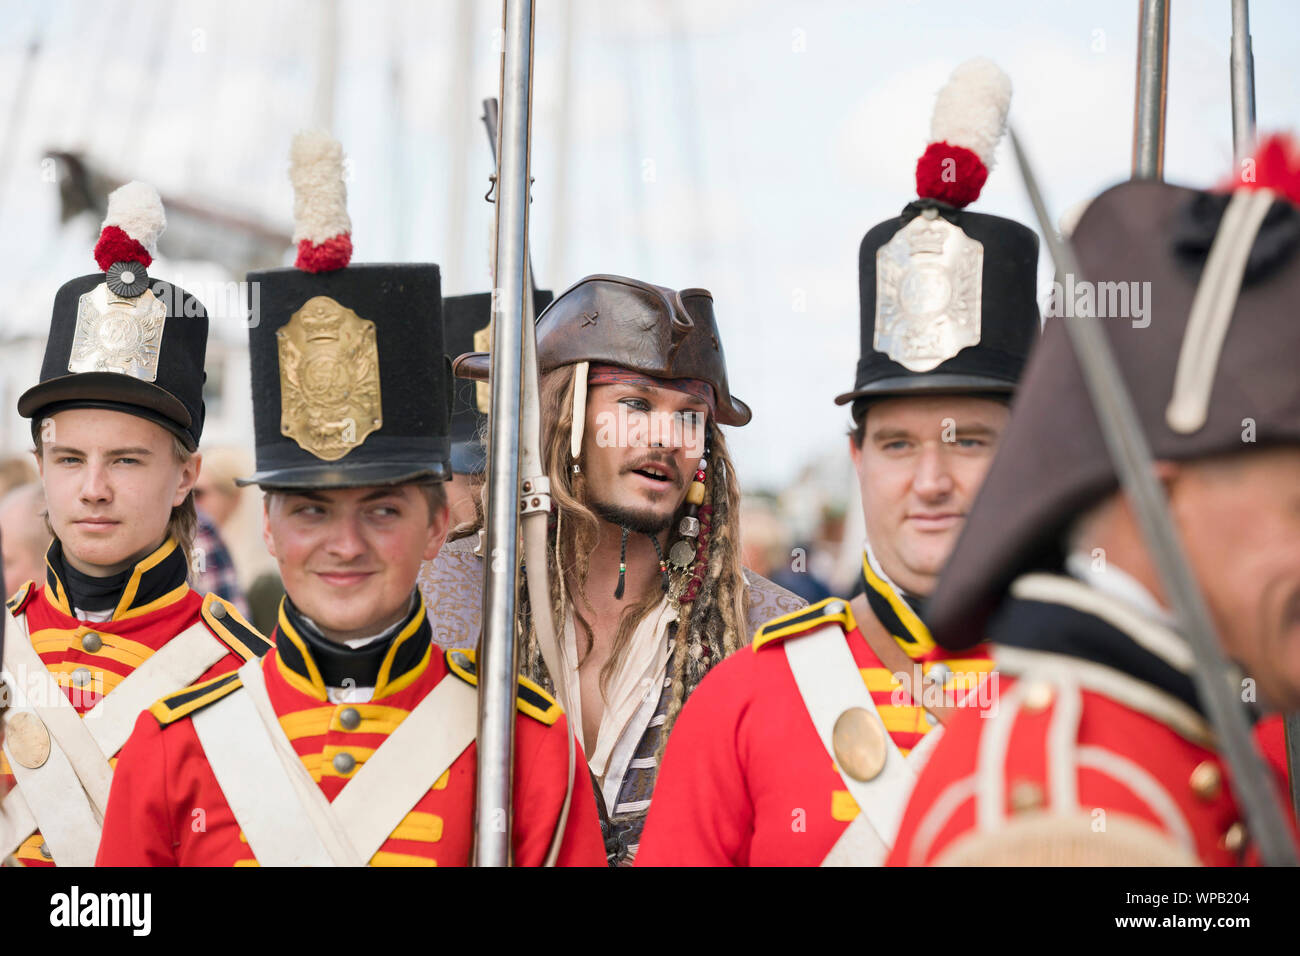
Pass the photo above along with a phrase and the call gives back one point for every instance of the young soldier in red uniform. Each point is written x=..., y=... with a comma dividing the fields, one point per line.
x=113, y=625
x=802, y=750
x=353, y=741
x=1100, y=751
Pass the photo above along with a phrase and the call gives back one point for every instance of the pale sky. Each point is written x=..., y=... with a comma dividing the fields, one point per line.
x=740, y=146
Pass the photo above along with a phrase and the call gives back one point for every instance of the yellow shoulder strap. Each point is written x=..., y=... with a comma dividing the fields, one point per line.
x=531, y=700
x=230, y=627
x=185, y=702
x=804, y=620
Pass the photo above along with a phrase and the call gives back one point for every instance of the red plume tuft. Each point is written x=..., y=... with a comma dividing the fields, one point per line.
x=1275, y=166
x=116, y=246
x=330, y=255
x=952, y=174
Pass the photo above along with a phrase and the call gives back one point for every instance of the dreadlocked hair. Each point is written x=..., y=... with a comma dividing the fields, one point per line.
x=712, y=603
x=714, y=608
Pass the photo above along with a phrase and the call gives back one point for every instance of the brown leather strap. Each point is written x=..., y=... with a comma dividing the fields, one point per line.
x=884, y=646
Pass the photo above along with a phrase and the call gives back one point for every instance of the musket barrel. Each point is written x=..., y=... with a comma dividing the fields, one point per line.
x=1152, y=76
x=497, y=666
x=1242, y=69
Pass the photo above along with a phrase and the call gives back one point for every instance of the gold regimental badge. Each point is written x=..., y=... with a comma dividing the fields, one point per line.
x=329, y=379
x=928, y=282
x=115, y=334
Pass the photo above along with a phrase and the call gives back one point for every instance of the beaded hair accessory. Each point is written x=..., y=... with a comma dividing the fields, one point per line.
x=694, y=526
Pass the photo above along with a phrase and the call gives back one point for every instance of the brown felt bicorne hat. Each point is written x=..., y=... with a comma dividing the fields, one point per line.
x=636, y=325
x=1204, y=381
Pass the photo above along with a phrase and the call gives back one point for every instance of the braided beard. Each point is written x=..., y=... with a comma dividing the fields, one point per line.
x=642, y=522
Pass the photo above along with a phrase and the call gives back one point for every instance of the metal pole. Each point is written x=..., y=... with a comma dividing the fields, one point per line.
x=458, y=207
x=327, y=66
x=496, y=665
x=565, y=147
x=1242, y=70
x=1133, y=464
x=1152, y=76
x=535, y=508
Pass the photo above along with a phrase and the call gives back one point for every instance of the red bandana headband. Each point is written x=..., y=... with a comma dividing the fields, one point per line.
x=600, y=374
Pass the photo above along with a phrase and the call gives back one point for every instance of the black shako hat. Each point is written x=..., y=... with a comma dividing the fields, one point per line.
x=351, y=384
x=122, y=340
x=948, y=297
x=1208, y=374
x=466, y=320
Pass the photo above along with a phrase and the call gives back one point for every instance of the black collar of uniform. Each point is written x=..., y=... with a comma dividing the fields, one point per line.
x=325, y=663
x=900, y=613
x=1063, y=630
x=156, y=580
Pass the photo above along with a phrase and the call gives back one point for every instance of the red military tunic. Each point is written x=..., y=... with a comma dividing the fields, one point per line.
x=1270, y=736
x=156, y=605
x=1078, y=748
x=746, y=780
x=167, y=809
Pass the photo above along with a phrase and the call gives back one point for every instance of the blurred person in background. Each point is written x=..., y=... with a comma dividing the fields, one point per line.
x=466, y=327
x=211, y=567
x=26, y=535
x=16, y=470
x=766, y=549
x=251, y=575
x=215, y=493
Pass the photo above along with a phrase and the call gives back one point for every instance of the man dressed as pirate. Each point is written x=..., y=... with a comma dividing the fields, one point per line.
x=644, y=548
x=113, y=625
x=801, y=750
x=353, y=742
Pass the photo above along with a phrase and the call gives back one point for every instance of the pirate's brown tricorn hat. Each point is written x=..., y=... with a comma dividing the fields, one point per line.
x=1201, y=386
x=635, y=325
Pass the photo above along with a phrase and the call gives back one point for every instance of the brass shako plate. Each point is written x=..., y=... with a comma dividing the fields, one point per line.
x=329, y=379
